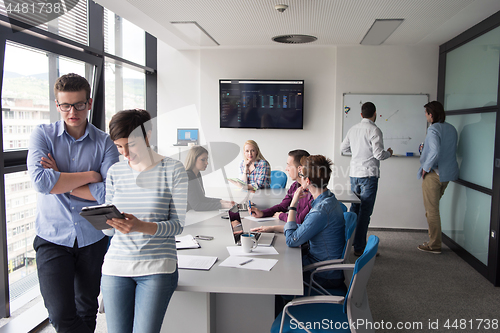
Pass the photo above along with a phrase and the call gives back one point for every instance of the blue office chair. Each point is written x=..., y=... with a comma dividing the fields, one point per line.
x=278, y=179
x=337, y=311
x=351, y=221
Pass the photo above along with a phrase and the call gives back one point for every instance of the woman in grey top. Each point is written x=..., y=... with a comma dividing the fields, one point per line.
x=197, y=161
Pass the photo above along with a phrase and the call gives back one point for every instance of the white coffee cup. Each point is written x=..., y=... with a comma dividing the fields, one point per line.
x=248, y=242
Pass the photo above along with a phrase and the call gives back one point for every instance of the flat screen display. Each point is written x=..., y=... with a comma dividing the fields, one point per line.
x=261, y=103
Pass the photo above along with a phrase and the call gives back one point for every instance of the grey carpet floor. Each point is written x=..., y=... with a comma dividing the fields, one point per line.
x=411, y=286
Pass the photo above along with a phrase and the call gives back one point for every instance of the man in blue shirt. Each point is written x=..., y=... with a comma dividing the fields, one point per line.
x=67, y=162
x=438, y=166
x=324, y=225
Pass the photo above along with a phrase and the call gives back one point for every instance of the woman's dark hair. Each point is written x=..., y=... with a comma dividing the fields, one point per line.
x=318, y=169
x=123, y=123
x=435, y=109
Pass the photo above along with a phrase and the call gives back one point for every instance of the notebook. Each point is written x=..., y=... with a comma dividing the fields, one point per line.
x=263, y=239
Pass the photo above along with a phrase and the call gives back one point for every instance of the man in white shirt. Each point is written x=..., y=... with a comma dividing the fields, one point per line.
x=365, y=142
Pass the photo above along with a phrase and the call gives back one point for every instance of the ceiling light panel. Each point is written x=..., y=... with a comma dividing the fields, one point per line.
x=380, y=30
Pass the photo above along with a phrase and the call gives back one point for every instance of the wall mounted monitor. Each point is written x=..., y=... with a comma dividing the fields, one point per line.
x=261, y=103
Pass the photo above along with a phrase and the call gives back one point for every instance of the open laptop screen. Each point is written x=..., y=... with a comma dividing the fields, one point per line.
x=187, y=135
x=236, y=225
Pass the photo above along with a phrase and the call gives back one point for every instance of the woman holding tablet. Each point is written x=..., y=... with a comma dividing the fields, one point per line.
x=139, y=274
x=197, y=161
x=255, y=171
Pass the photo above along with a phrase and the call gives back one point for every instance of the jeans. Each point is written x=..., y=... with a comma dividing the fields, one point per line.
x=69, y=282
x=365, y=189
x=137, y=304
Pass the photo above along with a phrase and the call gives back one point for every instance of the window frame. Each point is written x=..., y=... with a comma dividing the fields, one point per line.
x=93, y=54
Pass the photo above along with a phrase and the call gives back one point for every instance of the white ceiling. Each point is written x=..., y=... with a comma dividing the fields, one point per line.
x=252, y=23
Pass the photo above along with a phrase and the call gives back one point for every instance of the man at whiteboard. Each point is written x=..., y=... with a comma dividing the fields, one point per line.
x=365, y=142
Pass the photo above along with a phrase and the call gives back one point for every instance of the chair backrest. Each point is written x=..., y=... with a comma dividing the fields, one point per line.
x=278, y=179
x=356, y=304
x=351, y=220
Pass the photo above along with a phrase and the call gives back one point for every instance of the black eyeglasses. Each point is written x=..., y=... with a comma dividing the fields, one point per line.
x=301, y=175
x=66, y=107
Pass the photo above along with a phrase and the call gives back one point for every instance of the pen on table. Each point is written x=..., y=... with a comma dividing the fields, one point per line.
x=246, y=262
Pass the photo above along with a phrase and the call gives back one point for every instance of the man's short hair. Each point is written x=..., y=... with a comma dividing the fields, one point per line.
x=123, y=123
x=368, y=110
x=72, y=82
x=297, y=155
x=435, y=109
x=318, y=169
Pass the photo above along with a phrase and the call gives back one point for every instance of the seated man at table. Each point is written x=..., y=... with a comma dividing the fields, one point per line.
x=323, y=227
x=280, y=211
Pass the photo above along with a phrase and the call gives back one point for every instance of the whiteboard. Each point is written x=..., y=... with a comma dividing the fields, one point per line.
x=400, y=117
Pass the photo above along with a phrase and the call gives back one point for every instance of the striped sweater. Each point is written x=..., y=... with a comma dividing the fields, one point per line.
x=157, y=195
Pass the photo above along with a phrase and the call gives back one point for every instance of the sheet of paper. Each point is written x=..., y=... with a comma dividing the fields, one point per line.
x=260, y=250
x=256, y=263
x=195, y=262
x=186, y=242
x=260, y=219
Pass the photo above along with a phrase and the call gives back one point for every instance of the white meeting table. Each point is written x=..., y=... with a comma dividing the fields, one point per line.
x=226, y=299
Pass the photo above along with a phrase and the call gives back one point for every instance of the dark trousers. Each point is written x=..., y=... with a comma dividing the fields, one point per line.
x=70, y=283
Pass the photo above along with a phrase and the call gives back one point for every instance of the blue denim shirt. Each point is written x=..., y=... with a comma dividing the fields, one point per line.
x=440, y=152
x=324, y=228
x=57, y=219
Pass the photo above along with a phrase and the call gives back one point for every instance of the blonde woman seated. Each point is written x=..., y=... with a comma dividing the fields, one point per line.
x=255, y=171
x=196, y=161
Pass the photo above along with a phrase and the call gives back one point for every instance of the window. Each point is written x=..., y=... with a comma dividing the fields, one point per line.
x=26, y=91
x=66, y=44
x=21, y=256
x=125, y=89
x=72, y=25
x=123, y=39
x=26, y=94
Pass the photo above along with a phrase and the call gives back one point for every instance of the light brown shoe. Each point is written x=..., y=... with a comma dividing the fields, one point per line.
x=426, y=248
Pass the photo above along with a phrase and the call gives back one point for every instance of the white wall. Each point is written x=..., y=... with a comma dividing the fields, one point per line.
x=192, y=77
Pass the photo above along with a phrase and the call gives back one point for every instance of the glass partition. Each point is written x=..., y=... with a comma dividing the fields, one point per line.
x=472, y=73
x=476, y=146
x=465, y=218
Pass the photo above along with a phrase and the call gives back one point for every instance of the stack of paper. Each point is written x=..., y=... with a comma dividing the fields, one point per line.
x=186, y=242
x=195, y=262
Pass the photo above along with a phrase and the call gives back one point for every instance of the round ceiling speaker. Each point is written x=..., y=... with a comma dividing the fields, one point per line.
x=294, y=39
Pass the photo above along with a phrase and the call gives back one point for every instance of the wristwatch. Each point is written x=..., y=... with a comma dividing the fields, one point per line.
x=292, y=208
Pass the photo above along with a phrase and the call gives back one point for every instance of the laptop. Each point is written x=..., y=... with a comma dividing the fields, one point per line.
x=187, y=135
x=263, y=239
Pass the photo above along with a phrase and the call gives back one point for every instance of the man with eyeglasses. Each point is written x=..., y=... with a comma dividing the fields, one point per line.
x=68, y=161
x=365, y=142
